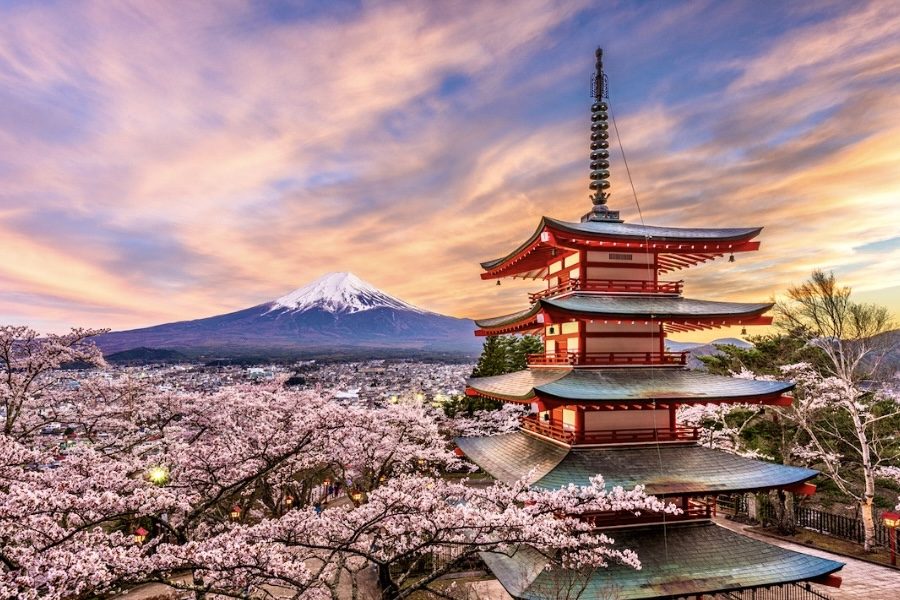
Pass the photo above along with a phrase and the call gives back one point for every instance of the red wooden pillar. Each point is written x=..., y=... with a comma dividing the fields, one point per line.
x=579, y=423
x=672, y=424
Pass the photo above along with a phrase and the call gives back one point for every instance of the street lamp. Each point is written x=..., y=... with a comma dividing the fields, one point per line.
x=140, y=535
x=158, y=475
x=235, y=512
x=892, y=521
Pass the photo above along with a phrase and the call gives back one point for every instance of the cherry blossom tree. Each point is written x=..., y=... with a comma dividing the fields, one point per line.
x=221, y=494
x=850, y=433
x=505, y=419
x=28, y=366
x=849, y=417
x=722, y=425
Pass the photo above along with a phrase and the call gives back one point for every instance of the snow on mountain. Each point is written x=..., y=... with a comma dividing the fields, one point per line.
x=337, y=312
x=340, y=293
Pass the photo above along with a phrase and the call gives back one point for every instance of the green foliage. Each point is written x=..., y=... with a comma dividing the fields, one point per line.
x=883, y=503
x=520, y=348
x=888, y=484
x=506, y=354
x=768, y=354
x=469, y=404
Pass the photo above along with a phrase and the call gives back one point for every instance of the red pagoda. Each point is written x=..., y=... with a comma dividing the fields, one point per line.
x=604, y=394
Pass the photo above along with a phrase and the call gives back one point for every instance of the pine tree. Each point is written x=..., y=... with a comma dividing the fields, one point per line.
x=520, y=348
x=494, y=359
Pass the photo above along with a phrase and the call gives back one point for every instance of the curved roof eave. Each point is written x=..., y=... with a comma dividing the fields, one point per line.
x=641, y=307
x=504, y=320
x=632, y=232
x=626, y=385
x=650, y=307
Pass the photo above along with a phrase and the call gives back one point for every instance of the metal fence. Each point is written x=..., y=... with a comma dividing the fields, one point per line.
x=839, y=526
x=791, y=591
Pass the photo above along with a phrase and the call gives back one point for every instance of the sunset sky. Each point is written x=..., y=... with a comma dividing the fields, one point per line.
x=173, y=160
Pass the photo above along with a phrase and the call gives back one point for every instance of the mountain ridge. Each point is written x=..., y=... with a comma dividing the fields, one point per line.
x=338, y=311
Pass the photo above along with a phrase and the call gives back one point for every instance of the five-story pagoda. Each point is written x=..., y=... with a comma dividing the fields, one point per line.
x=604, y=395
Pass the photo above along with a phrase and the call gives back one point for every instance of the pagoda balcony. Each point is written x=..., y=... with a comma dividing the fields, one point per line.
x=606, y=359
x=609, y=436
x=619, y=286
x=692, y=509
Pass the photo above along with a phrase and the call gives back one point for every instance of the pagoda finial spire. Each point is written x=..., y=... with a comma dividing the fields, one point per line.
x=600, y=147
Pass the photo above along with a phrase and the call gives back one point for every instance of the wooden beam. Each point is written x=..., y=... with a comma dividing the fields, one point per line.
x=831, y=580
x=804, y=488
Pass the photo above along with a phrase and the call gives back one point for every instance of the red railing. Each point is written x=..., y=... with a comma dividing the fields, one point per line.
x=606, y=358
x=610, y=436
x=698, y=508
x=611, y=285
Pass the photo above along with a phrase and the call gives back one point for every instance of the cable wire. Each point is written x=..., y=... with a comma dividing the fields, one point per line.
x=650, y=268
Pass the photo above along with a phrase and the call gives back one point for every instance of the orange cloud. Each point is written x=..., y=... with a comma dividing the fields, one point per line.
x=170, y=162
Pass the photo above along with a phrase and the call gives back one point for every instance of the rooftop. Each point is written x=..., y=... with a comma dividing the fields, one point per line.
x=630, y=307
x=680, y=560
x=610, y=230
x=624, y=384
x=666, y=470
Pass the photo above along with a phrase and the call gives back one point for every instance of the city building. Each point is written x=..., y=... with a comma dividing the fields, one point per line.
x=604, y=395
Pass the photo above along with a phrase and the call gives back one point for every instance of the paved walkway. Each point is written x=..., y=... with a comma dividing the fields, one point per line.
x=862, y=580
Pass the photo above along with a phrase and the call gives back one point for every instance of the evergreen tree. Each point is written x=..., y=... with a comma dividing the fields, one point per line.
x=494, y=359
x=520, y=348
x=506, y=354
x=766, y=357
x=500, y=354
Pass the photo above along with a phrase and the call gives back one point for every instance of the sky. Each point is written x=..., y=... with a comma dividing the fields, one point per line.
x=163, y=161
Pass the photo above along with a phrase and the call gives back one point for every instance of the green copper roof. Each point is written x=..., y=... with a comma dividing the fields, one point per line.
x=511, y=318
x=624, y=384
x=682, y=560
x=637, y=307
x=633, y=231
x=667, y=470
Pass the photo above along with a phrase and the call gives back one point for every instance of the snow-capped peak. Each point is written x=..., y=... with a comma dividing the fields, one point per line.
x=339, y=293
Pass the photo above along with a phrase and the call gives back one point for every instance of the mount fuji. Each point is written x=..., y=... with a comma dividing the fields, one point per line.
x=337, y=313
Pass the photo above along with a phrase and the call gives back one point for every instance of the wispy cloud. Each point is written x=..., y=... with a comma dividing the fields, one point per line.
x=164, y=161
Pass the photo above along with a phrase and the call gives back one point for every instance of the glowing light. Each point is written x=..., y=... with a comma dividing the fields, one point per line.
x=158, y=475
x=140, y=535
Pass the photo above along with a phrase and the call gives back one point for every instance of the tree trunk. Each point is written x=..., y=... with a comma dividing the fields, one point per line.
x=389, y=589
x=866, y=511
x=785, y=518
x=752, y=508
x=199, y=589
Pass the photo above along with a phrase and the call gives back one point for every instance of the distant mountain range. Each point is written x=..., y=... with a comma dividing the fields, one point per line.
x=337, y=314
x=674, y=346
x=697, y=349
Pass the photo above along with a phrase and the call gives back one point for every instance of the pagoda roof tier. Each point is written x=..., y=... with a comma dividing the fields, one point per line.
x=678, y=246
x=683, y=313
x=678, y=561
x=668, y=470
x=624, y=385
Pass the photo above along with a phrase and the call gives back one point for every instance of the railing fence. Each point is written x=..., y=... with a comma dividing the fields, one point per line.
x=839, y=526
x=791, y=591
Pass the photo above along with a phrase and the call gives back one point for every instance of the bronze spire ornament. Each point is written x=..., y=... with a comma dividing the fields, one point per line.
x=600, y=147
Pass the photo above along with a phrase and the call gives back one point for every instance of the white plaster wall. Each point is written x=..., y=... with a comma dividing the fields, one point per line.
x=626, y=419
